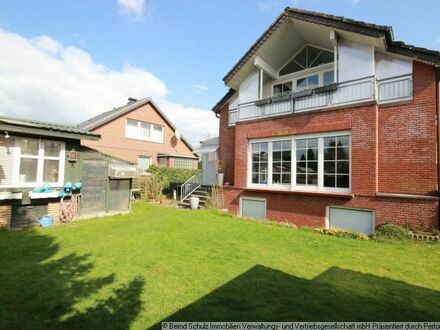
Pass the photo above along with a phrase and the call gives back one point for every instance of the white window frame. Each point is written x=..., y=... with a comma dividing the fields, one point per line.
x=240, y=207
x=293, y=186
x=40, y=167
x=145, y=157
x=303, y=74
x=139, y=136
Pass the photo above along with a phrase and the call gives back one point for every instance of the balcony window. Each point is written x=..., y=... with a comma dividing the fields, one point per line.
x=308, y=57
x=328, y=77
x=309, y=82
x=321, y=162
x=282, y=89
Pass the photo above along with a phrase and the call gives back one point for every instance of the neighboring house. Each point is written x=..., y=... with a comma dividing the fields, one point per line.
x=330, y=122
x=140, y=133
x=208, y=152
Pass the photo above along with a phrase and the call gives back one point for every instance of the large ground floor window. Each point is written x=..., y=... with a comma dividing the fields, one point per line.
x=39, y=161
x=319, y=162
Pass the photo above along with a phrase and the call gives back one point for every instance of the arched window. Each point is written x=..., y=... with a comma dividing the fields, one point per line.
x=308, y=57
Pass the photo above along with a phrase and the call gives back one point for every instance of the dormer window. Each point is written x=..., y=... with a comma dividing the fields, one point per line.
x=308, y=57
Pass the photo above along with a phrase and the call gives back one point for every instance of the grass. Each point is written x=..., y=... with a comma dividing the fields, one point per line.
x=156, y=264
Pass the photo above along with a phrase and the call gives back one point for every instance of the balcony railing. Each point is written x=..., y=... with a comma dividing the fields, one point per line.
x=395, y=89
x=336, y=95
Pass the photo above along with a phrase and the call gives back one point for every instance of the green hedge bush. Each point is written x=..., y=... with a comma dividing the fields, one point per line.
x=390, y=231
x=172, y=175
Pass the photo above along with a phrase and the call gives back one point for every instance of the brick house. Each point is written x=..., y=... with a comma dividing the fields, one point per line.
x=329, y=122
x=139, y=132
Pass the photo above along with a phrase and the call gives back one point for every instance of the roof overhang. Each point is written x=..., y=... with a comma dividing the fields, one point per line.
x=295, y=28
x=29, y=128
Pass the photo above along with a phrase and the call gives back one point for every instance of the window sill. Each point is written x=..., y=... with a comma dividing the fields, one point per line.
x=52, y=194
x=10, y=195
x=302, y=192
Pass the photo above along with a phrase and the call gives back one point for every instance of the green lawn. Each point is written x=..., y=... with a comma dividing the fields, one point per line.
x=155, y=264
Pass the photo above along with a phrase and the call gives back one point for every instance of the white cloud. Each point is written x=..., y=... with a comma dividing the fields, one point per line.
x=199, y=87
x=132, y=8
x=44, y=80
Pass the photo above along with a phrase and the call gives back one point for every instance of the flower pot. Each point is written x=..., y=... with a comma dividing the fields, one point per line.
x=194, y=203
x=220, y=178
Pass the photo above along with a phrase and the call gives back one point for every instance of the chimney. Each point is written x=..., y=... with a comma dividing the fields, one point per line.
x=131, y=100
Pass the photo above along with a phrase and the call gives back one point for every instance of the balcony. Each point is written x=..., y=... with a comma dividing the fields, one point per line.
x=347, y=93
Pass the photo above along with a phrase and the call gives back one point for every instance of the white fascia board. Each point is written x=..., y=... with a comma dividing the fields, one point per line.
x=262, y=64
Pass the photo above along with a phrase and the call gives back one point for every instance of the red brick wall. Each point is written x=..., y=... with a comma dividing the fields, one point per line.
x=227, y=145
x=394, y=149
x=311, y=210
x=407, y=139
x=114, y=143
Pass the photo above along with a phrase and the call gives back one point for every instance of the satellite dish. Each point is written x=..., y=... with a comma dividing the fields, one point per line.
x=177, y=134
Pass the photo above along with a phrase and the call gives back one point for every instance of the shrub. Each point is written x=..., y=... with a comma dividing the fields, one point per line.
x=390, y=231
x=151, y=187
x=344, y=233
x=215, y=199
x=172, y=177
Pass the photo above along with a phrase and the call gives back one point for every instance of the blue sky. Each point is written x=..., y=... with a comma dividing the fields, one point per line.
x=188, y=45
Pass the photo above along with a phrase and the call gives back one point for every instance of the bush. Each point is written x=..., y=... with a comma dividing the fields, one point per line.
x=215, y=200
x=151, y=187
x=390, y=231
x=344, y=233
x=170, y=178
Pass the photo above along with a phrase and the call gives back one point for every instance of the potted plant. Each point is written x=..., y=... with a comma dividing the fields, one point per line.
x=220, y=173
x=194, y=202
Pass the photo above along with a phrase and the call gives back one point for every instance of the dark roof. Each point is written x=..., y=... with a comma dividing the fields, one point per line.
x=223, y=100
x=342, y=23
x=45, y=128
x=107, y=116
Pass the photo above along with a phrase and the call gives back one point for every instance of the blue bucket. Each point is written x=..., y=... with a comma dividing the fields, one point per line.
x=46, y=221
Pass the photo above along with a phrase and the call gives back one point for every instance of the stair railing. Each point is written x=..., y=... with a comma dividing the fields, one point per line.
x=190, y=186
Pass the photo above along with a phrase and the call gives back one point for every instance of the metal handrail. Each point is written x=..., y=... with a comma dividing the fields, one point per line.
x=190, y=186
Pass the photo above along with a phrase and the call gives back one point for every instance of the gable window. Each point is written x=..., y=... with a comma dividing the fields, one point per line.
x=308, y=57
x=39, y=161
x=140, y=130
x=321, y=163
